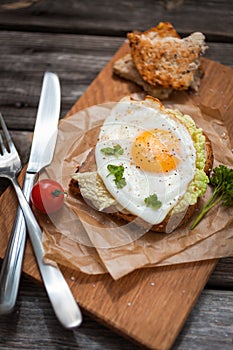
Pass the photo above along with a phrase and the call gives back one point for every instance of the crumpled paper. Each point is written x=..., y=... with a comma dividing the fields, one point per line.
x=83, y=239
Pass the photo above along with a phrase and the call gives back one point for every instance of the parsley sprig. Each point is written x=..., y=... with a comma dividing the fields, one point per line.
x=152, y=201
x=117, y=171
x=116, y=151
x=222, y=181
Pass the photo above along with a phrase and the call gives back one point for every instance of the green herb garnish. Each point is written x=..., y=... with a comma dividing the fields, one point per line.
x=222, y=181
x=152, y=201
x=118, y=172
x=116, y=151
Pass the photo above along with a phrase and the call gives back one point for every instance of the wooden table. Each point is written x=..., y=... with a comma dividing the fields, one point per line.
x=76, y=39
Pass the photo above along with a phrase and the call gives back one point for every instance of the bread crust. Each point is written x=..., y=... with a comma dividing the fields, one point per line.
x=125, y=68
x=169, y=62
x=169, y=223
x=209, y=155
x=160, y=61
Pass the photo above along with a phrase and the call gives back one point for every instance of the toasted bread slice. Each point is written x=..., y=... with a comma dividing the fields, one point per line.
x=125, y=68
x=163, y=58
x=169, y=223
x=162, y=30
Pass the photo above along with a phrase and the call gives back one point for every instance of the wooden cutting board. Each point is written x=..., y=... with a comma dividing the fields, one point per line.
x=149, y=306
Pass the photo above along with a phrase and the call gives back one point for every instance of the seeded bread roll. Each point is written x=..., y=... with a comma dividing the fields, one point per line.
x=160, y=61
x=125, y=68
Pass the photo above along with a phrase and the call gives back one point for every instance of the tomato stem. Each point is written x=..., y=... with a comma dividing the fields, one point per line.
x=57, y=193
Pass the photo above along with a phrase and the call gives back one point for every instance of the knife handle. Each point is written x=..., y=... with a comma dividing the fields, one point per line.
x=13, y=259
x=58, y=291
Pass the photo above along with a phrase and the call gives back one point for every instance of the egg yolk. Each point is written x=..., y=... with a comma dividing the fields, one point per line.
x=155, y=150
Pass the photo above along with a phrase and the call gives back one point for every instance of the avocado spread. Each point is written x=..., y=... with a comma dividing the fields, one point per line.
x=93, y=188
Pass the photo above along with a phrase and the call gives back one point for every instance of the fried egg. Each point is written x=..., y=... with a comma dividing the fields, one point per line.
x=144, y=152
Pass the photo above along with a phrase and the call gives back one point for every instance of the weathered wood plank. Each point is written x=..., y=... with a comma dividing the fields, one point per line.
x=222, y=277
x=117, y=17
x=76, y=58
x=210, y=324
x=26, y=56
x=33, y=312
x=169, y=280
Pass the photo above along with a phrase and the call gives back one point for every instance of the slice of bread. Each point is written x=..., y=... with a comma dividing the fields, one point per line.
x=169, y=223
x=160, y=61
x=125, y=68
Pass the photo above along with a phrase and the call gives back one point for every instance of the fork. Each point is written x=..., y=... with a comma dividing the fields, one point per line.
x=59, y=293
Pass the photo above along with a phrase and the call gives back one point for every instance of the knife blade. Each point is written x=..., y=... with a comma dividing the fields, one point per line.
x=42, y=149
x=41, y=154
x=45, y=132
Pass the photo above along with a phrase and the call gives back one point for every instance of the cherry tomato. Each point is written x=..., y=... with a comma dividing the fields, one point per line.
x=47, y=196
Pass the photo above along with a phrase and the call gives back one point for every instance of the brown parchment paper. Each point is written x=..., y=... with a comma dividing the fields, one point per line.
x=82, y=238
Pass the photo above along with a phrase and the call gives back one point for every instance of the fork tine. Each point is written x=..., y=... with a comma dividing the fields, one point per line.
x=3, y=149
x=7, y=136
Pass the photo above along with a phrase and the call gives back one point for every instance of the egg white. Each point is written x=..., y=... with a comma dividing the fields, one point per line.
x=126, y=121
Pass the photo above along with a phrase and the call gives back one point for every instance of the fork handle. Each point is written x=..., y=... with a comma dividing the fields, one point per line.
x=59, y=293
x=13, y=259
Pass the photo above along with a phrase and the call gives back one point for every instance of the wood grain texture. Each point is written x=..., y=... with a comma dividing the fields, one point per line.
x=55, y=35
x=26, y=56
x=76, y=58
x=204, y=337
x=34, y=316
x=118, y=17
x=222, y=276
x=129, y=303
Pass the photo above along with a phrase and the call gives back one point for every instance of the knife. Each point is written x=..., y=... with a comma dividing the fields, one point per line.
x=42, y=149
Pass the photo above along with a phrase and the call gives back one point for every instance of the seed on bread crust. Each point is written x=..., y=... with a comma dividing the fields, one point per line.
x=125, y=68
x=161, y=62
x=166, y=60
